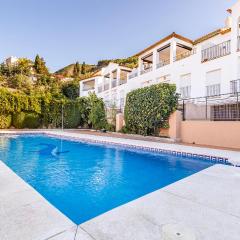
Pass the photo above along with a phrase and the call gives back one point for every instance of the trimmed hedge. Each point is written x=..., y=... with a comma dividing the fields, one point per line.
x=5, y=121
x=43, y=110
x=148, y=109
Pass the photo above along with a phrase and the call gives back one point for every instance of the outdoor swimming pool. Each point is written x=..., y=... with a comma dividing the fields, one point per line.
x=84, y=180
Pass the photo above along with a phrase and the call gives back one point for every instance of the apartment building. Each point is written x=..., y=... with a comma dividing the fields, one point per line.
x=208, y=66
x=109, y=83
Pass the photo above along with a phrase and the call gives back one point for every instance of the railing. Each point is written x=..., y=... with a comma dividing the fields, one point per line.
x=133, y=75
x=213, y=90
x=185, y=55
x=100, y=89
x=185, y=92
x=88, y=88
x=225, y=107
x=163, y=63
x=122, y=81
x=106, y=86
x=216, y=51
x=235, y=86
x=146, y=70
x=238, y=43
x=114, y=83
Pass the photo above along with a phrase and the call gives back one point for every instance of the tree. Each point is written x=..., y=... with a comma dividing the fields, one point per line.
x=71, y=90
x=76, y=70
x=83, y=68
x=40, y=65
x=23, y=66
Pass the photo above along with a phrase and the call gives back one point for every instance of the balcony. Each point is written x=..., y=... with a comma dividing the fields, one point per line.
x=146, y=70
x=106, y=86
x=114, y=83
x=185, y=55
x=163, y=63
x=122, y=81
x=100, y=88
x=235, y=86
x=133, y=75
x=238, y=43
x=88, y=88
x=216, y=51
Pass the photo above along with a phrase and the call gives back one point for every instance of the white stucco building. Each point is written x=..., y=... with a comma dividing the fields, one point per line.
x=11, y=61
x=207, y=66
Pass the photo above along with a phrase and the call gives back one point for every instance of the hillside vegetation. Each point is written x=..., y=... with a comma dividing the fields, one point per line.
x=87, y=70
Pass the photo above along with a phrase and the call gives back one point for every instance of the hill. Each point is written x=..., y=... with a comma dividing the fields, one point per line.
x=90, y=69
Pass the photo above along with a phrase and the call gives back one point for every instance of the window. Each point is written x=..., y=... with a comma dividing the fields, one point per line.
x=185, y=85
x=213, y=83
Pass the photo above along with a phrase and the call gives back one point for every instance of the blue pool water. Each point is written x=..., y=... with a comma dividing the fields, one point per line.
x=85, y=180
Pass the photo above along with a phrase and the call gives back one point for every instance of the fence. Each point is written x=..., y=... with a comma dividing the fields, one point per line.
x=224, y=107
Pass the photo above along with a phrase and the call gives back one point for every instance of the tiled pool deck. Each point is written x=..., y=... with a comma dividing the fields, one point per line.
x=204, y=206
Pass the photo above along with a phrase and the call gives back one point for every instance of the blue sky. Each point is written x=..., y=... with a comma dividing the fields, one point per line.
x=66, y=31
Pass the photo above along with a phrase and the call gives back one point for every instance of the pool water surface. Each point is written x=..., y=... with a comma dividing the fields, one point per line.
x=84, y=180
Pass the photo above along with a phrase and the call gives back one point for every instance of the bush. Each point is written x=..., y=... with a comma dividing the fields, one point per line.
x=97, y=115
x=5, y=121
x=26, y=120
x=148, y=109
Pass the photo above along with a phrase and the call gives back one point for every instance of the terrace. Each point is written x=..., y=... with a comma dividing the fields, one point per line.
x=183, y=52
x=146, y=64
x=163, y=56
x=217, y=51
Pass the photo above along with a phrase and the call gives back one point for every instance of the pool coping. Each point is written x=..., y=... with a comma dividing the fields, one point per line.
x=214, y=155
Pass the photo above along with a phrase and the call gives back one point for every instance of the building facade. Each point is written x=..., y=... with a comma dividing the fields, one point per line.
x=208, y=66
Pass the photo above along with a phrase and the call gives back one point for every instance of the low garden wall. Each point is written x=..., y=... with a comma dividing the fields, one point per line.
x=212, y=133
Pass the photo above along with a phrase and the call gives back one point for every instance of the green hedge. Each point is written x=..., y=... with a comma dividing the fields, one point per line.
x=26, y=120
x=5, y=121
x=148, y=109
x=43, y=110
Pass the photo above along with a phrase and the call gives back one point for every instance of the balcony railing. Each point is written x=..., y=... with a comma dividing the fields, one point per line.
x=146, y=70
x=133, y=75
x=163, y=63
x=235, y=86
x=238, y=43
x=114, y=83
x=106, y=86
x=122, y=81
x=185, y=55
x=216, y=51
x=213, y=90
x=100, y=89
x=88, y=88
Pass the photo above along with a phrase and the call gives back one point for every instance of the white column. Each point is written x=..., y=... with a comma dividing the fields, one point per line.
x=154, y=65
x=118, y=76
x=173, y=50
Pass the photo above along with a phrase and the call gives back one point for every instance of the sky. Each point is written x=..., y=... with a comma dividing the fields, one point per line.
x=66, y=31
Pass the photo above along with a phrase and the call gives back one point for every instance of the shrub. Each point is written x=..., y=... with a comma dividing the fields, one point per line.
x=148, y=109
x=97, y=115
x=5, y=121
x=26, y=120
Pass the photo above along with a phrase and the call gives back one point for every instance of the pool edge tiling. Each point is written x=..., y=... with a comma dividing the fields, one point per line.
x=217, y=155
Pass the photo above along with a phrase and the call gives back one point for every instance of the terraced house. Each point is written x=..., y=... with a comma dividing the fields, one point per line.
x=206, y=72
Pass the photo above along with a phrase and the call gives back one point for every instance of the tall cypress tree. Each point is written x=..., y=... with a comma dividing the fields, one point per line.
x=40, y=65
x=83, y=68
x=76, y=69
